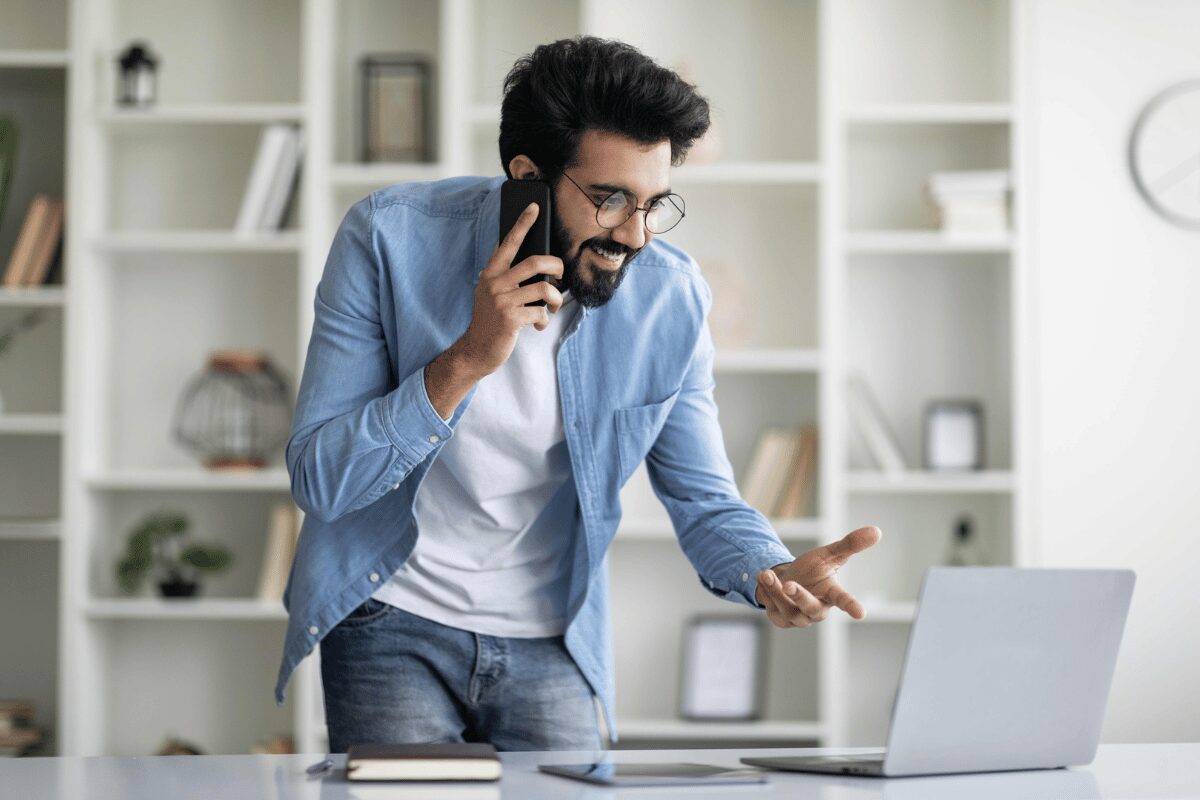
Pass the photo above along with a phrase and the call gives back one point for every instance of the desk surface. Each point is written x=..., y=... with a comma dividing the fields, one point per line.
x=1119, y=771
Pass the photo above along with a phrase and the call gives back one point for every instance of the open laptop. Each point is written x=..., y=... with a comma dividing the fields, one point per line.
x=1006, y=669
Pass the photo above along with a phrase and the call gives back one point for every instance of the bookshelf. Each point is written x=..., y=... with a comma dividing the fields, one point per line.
x=814, y=196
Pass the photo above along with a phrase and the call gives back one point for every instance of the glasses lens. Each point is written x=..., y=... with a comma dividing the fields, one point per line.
x=615, y=209
x=665, y=214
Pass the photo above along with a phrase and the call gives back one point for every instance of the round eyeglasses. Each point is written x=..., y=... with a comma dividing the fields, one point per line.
x=662, y=213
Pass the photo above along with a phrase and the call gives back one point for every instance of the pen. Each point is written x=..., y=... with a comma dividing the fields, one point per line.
x=320, y=768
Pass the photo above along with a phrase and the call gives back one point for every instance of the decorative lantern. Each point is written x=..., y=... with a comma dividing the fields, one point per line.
x=138, y=84
x=236, y=413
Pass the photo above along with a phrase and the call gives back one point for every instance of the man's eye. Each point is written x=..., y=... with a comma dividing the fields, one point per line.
x=614, y=201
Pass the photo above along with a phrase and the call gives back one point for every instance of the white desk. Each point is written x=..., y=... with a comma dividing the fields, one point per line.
x=1119, y=771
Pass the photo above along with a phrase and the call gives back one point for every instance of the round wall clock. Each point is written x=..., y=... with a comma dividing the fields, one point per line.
x=1164, y=154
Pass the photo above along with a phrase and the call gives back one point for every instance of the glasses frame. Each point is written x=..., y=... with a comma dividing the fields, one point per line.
x=681, y=206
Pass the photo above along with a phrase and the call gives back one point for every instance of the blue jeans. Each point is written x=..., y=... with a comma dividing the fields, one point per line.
x=391, y=676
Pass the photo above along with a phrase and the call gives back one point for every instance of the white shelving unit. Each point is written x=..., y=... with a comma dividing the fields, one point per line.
x=808, y=225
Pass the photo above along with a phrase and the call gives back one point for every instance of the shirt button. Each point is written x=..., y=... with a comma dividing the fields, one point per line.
x=395, y=486
x=712, y=585
x=745, y=577
x=434, y=438
x=374, y=577
x=313, y=630
x=575, y=424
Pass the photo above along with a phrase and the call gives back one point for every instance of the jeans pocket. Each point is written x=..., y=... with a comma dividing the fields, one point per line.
x=370, y=611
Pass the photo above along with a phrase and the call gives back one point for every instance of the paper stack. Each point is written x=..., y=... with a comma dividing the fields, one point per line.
x=970, y=201
x=271, y=186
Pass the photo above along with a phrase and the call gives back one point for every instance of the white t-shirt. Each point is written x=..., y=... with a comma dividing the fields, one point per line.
x=496, y=510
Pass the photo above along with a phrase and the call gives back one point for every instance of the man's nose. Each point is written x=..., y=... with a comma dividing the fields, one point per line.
x=632, y=233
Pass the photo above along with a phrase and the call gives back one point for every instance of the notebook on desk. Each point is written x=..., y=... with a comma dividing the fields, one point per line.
x=422, y=762
x=1006, y=669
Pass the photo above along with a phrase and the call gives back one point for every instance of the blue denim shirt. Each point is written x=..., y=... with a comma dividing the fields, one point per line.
x=635, y=382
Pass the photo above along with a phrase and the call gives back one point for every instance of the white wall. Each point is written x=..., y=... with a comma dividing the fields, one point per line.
x=1117, y=342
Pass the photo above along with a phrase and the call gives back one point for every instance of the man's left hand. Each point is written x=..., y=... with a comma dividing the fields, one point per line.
x=800, y=593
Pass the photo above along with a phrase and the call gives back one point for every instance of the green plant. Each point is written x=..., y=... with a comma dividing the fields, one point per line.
x=161, y=539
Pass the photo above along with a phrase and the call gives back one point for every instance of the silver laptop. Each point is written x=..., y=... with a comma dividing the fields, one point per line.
x=1006, y=669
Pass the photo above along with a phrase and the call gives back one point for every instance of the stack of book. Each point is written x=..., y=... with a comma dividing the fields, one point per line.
x=970, y=201
x=872, y=428
x=271, y=186
x=18, y=736
x=36, y=258
x=782, y=472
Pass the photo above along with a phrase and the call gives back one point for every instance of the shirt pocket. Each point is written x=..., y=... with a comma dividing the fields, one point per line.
x=637, y=428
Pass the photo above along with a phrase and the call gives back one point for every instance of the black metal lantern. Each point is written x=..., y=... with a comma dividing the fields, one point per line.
x=236, y=413
x=138, y=84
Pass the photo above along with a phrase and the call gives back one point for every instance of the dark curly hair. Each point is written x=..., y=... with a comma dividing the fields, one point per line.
x=562, y=89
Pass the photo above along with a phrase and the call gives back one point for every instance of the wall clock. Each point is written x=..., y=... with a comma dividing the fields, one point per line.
x=1164, y=154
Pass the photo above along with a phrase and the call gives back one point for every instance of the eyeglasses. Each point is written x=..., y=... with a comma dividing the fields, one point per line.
x=615, y=210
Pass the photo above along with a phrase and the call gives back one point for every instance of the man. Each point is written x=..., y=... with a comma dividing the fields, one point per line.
x=459, y=452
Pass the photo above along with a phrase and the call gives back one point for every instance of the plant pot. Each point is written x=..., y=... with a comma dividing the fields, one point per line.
x=178, y=588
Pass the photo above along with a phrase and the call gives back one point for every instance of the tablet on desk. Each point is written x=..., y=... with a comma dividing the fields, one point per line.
x=608, y=773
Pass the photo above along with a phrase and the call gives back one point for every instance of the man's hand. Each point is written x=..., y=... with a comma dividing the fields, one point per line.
x=497, y=319
x=801, y=593
x=500, y=301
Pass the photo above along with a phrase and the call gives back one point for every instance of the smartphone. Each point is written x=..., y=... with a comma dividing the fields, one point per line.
x=515, y=197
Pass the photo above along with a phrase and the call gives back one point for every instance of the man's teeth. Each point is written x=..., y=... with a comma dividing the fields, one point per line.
x=608, y=255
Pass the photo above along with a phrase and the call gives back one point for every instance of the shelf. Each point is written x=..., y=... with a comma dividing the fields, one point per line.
x=655, y=529
x=918, y=482
x=684, y=729
x=150, y=608
x=222, y=113
x=198, y=242
x=768, y=360
x=189, y=479
x=33, y=296
x=31, y=424
x=931, y=113
x=928, y=242
x=385, y=174
x=33, y=529
x=751, y=172
x=889, y=613
x=34, y=58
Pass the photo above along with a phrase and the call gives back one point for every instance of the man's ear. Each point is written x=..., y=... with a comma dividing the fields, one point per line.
x=522, y=168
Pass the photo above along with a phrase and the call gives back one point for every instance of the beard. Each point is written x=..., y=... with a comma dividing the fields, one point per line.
x=603, y=285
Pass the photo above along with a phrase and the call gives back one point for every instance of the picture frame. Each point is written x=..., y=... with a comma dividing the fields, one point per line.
x=395, y=91
x=723, y=675
x=954, y=435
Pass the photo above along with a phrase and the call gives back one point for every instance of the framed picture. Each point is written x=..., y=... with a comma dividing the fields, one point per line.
x=396, y=114
x=954, y=435
x=724, y=661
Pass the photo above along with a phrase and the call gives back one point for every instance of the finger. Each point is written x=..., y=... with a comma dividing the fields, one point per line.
x=535, y=265
x=803, y=600
x=533, y=315
x=506, y=251
x=837, y=596
x=854, y=542
x=541, y=290
x=792, y=599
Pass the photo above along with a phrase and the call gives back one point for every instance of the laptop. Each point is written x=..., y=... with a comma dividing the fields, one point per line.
x=1006, y=669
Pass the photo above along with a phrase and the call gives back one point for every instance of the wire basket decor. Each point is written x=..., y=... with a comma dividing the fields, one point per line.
x=235, y=414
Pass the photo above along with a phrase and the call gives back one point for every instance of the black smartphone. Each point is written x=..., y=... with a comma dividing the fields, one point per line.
x=515, y=197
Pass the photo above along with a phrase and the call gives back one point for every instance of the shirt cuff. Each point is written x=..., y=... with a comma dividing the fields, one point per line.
x=411, y=422
x=741, y=584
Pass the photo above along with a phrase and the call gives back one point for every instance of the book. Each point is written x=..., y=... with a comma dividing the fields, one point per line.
x=871, y=424
x=283, y=181
x=801, y=477
x=280, y=550
x=18, y=260
x=764, y=474
x=46, y=245
x=271, y=144
x=422, y=762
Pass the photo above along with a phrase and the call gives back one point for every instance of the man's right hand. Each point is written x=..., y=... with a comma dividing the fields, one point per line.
x=500, y=301
x=500, y=313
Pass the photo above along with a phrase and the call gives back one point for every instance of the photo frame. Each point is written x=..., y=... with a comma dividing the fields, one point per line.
x=954, y=435
x=395, y=100
x=723, y=675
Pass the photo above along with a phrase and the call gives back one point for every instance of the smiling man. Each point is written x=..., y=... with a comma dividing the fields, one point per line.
x=459, y=453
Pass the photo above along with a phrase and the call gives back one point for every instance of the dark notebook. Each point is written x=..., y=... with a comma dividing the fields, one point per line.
x=422, y=762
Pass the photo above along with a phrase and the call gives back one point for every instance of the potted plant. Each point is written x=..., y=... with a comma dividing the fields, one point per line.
x=160, y=540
